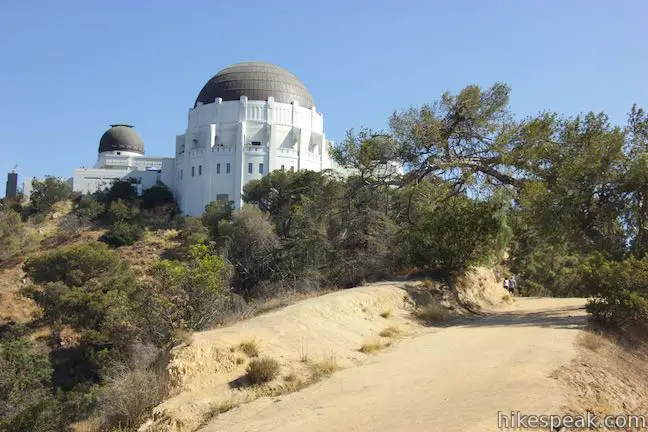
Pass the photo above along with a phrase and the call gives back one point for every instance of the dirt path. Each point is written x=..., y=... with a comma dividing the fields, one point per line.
x=450, y=379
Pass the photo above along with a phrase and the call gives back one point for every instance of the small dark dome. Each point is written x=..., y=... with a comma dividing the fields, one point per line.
x=257, y=81
x=121, y=137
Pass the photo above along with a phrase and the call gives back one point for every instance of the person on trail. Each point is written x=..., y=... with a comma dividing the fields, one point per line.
x=513, y=284
x=507, y=285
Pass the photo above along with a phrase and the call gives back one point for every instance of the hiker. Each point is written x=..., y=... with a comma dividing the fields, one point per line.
x=507, y=285
x=513, y=284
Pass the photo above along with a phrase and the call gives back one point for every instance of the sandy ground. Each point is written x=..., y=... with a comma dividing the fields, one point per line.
x=450, y=379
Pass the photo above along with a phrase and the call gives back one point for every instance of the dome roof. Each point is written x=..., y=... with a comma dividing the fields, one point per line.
x=121, y=137
x=257, y=81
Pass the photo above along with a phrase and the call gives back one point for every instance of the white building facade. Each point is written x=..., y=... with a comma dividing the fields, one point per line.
x=248, y=120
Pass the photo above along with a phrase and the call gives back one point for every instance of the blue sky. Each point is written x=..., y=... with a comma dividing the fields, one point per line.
x=68, y=69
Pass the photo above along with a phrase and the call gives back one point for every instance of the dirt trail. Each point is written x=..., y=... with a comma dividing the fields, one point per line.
x=450, y=379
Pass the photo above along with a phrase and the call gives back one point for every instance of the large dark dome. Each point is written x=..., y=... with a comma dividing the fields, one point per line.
x=121, y=137
x=257, y=81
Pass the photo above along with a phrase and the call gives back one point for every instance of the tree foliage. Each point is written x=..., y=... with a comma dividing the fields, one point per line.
x=48, y=192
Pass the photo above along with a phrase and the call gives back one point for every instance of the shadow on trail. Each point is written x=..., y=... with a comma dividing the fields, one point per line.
x=569, y=317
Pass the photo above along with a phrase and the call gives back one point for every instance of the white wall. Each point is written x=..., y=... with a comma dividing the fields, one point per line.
x=222, y=132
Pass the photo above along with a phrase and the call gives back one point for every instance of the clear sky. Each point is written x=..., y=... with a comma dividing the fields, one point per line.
x=70, y=68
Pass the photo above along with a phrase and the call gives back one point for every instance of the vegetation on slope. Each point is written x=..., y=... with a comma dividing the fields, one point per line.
x=562, y=200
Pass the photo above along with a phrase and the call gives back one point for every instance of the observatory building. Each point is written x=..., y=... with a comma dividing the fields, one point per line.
x=248, y=119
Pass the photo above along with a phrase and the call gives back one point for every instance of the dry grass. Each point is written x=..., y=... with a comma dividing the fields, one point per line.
x=262, y=370
x=606, y=377
x=431, y=313
x=250, y=348
x=370, y=348
x=592, y=341
x=219, y=408
x=130, y=396
x=390, y=332
x=240, y=360
x=386, y=314
x=507, y=299
x=323, y=368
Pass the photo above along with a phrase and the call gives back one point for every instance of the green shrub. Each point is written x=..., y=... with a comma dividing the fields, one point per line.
x=88, y=208
x=157, y=196
x=197, y=292
x=15, y=238
x=123, y=234
x=193, y=231
x=48, y=192
x=262, y=370
x=26, y=402
x=121, y=211
x=619, y=290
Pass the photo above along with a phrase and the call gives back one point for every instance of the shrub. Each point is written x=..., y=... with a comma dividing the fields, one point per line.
x=15, y=238
x=215, y=212
x=193, y=231
x=449, y=238
x=121, y=211
x=157, y=196
x=249, y=348
x=48, y=192
x=386, y=314
x=390, y=332
x=88, y=208
x=619, y=290
x=130, y=395
x=262, y=370
x=26, y=403
x=195, y=293
x=370, y=348
x=123, y=190
x=123, y=234
x=323, y=368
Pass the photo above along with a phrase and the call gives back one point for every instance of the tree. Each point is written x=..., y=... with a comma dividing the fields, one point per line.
x=253, y=248
x=215, y=212
x=48, y=192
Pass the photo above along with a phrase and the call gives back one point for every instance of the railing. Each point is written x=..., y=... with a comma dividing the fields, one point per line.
x=256, y=149
x=221, y=149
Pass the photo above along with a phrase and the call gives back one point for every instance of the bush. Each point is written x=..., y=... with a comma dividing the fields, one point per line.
x=123, y=234
x=48, y=192
x=15, y=238
x=123, y=190
x=370, y=348
x=262, y=370
x=121, y=211
x=193, y=231
x=26, y=403
x=157, y=196
x=215, y=212
x=196, y=293
x=249, y=348
x=88, y=208
x=447, y=239
x=130, y=395
x=619, y=290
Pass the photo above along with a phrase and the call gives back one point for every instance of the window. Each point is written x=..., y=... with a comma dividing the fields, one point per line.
x=250, y=168
x=261, y=168
x=217, y=168
x=283, y=168
x=222, y=197
x=199, y=170
x=193, y=171
x=227, y=168
x=118, y=153
x=292, y=168
x=180, y=174
x=256, y=143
